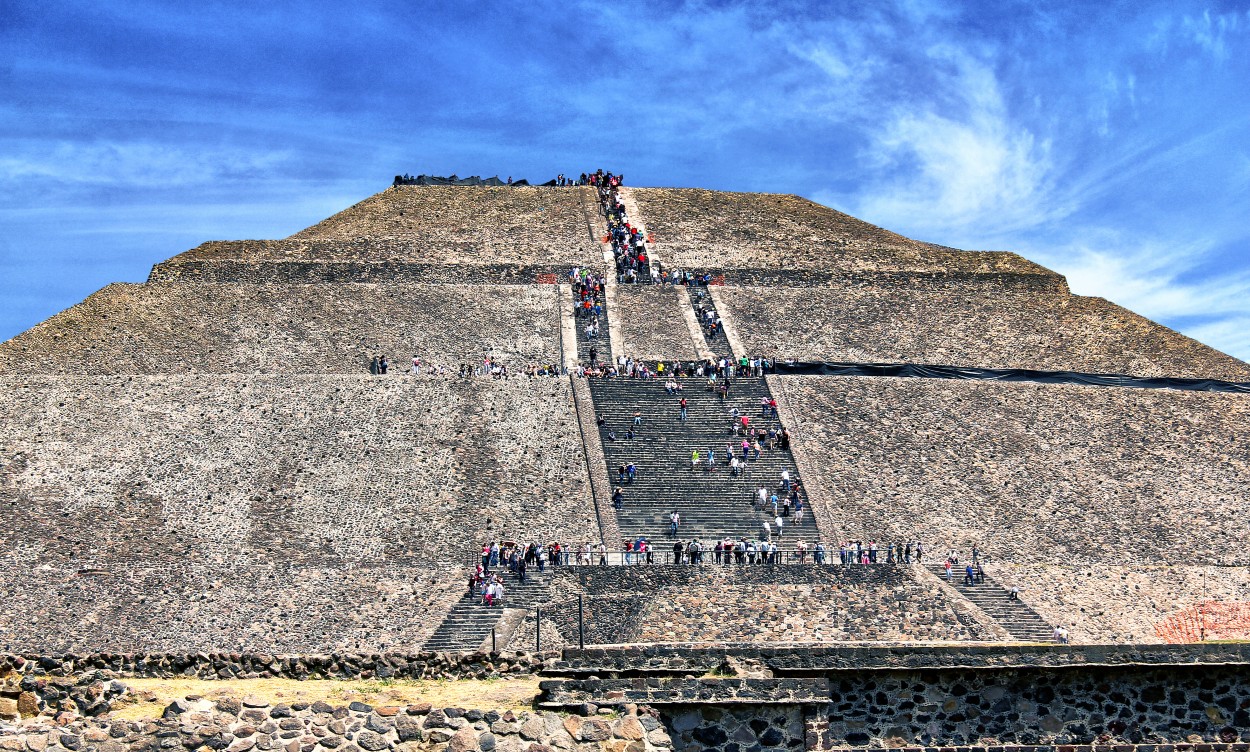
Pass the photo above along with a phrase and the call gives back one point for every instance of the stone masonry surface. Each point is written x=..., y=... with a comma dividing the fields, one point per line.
x=311, y=470
x=652, y=322
x=242, y=328
x=850, y=660
x=210, y=666
x=753, y=603
x=1046, y=706
x=242, y=725
x=1107, y=603
x=1032, y=473
x=480, y=225
x=132, y=607
x=964, y=324
x=699, y=229
x=227, y=477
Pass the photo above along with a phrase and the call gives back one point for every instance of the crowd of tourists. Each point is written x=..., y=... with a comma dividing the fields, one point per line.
x=501, y=560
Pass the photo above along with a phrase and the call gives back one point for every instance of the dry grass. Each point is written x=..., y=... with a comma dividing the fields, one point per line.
x=151, y=696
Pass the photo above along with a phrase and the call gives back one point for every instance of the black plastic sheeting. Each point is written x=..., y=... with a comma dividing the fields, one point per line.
x=908, y=370
x=454, y=180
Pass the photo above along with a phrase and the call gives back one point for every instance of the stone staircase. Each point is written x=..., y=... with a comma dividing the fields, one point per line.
x=1015, y=616
x=718, y=343
x=601, y=344
x=469, y=622
x=712, y=504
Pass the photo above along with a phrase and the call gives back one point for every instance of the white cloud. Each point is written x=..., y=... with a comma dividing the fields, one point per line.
x=1209, y=33
x=1161, y=282
x=967, y=165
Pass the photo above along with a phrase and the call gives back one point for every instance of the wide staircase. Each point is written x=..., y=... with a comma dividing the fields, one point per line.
x=469, y=622
x=712, y=504
x=718, y=343
x=1013, y=615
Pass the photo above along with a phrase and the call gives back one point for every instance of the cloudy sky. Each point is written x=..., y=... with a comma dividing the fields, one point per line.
x=1109, y=141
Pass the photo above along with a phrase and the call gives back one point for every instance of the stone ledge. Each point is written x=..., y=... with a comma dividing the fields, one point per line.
x=560, y=693
x=317, y=271
x=792, y=660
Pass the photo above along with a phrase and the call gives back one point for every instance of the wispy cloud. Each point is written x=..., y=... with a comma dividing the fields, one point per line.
x=134, y=164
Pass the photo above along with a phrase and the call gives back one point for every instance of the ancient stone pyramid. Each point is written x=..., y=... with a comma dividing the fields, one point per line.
x=204, y=461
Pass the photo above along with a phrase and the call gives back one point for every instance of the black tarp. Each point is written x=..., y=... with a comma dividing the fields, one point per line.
x=455, y=180
x=910, y=370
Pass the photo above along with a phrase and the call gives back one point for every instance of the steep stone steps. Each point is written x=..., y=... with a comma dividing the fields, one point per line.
x=469, y=622
x=1015, y=616
x=602, y=344
x=712, y=504
x=717, y=343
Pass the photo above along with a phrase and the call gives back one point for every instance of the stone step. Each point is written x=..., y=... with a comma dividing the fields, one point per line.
x=1021, y=621
x=713, y=504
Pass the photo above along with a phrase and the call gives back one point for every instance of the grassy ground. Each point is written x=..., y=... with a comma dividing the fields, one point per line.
x=151, y=696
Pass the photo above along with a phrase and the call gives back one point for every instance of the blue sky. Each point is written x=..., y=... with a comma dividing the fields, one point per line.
x=1109, y=141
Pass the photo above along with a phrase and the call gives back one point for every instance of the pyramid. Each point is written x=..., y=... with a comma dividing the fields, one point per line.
x=205, y=461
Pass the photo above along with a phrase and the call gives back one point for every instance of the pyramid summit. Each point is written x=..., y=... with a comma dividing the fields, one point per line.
x=217, y=460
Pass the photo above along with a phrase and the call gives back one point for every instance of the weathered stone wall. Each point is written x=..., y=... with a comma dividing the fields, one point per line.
x=928, y=696
x=768, y=604
x=274, y=329
x=241, y=725
x=964, y=324
x=1055, y=706
x=652, y=322
x=699, y=229
x=128, y=605
x=1032, y=473
x=1117, y=604
x=489, y=225
x=257, y=510
x=210, y=666
x=312, y=470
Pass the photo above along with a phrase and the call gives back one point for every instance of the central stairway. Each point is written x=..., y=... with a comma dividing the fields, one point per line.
x=712, y=504
x=1015, y=616
x=700, y=301
x=469, y=622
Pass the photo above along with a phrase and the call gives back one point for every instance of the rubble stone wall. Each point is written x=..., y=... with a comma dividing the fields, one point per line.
x=1056, y=706
x=239, y=726
x=1034, y=474
x=766, y=604
x=964, y=324
x=286, y=329
x=210, y=666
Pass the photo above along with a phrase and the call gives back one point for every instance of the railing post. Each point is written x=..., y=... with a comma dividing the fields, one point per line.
x=538, y=634
x=581, y=624
x=492, y=640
